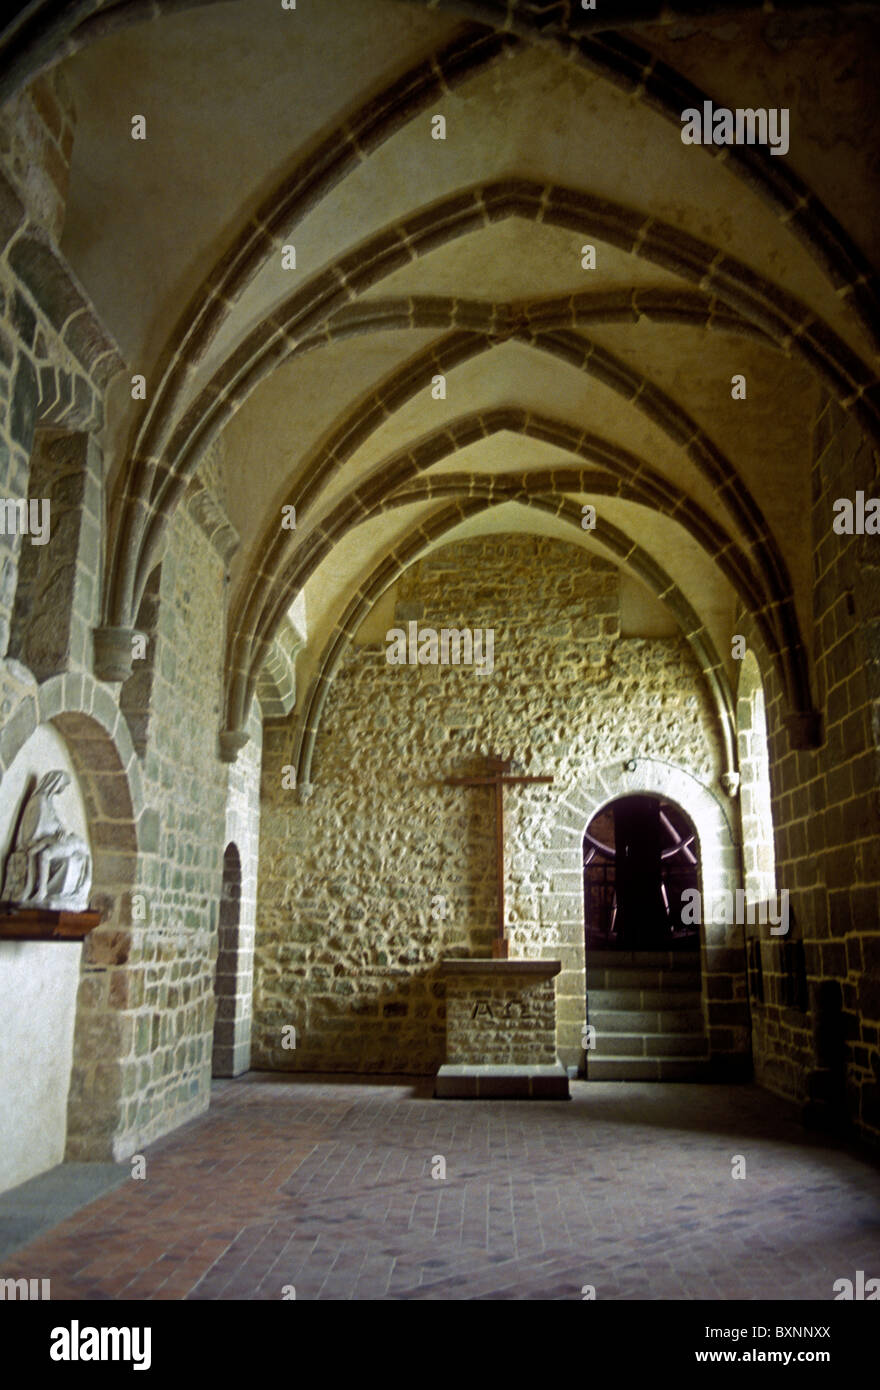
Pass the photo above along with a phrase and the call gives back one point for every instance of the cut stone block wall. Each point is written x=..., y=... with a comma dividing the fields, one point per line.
x=55, y=362
x=145, y=1003
x=826, y=812
x=36, y=142
x=174, y=949
x=57, y=598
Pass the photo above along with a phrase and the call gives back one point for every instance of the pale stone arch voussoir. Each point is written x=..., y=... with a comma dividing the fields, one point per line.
x=725, y=1005
x=719, y=850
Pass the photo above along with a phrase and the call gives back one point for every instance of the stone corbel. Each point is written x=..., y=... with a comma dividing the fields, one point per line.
x=113, y=652
x=804, y=729
x=231, y=742
x=730, y=781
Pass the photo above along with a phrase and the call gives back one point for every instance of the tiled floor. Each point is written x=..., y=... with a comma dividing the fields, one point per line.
x=326, y=1185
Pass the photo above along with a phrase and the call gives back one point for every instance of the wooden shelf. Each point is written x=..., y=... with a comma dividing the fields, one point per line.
x=41, y=924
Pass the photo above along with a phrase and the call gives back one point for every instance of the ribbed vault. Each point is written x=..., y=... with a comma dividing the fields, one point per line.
x=461, y=261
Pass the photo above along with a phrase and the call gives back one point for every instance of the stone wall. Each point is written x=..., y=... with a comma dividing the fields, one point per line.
x=36, y=142
x=146, y=754
x=56, y=359
x=58, y=595
x=145, y=1002
x=173, y=951
x=810, y=1042
x=385, y=870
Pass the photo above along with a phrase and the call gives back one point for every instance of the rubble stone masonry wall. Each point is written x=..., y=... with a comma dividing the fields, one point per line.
x=384, y=870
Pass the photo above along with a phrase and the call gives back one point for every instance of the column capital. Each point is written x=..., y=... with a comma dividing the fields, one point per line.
x=113, y=652
x=231, y=743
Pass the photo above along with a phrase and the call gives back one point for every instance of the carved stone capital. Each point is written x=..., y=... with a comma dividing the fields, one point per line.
x=730, y=782
x=113, y=652
x=231, y=743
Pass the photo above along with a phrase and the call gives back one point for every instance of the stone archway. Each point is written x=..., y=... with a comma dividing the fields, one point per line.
x=641, y=857
x=725, y=993
x=119, y=826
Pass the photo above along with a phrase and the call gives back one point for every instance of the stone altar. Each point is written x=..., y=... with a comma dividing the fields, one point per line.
x=501, y=1030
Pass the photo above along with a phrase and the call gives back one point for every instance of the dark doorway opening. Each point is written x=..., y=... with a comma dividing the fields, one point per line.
x=641, y=856
x=226, y=974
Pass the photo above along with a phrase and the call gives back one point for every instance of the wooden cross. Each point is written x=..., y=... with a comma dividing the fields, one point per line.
x=497, y=776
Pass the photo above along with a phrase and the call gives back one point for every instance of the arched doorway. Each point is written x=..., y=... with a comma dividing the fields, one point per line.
x=643, y=954
x=722, y=987
x=641, y=855
x=226, y=975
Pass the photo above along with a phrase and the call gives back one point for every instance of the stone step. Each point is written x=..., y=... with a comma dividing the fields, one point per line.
x=648, y=1069
x=637, y=1000
x=643, y=979
x=648, y=1021
x=638, y=1045
x=502, y=1081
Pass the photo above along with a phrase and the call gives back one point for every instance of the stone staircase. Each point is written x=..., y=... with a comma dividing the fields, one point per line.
x=646, y=1009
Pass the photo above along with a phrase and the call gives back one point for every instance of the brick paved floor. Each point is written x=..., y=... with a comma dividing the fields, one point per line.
x=325, y=1184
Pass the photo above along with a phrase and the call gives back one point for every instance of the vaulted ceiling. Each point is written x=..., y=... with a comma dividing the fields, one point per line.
x=461, y=257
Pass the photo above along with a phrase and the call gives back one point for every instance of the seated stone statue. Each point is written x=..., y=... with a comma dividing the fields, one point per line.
x=48, y=867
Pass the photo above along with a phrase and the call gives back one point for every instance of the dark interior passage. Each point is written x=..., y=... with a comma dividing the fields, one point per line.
x=640, y=857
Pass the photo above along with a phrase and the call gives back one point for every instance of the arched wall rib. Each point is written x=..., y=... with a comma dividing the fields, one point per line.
x=423, y=537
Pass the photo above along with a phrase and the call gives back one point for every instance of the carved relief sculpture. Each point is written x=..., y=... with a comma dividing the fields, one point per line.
x=48, y=866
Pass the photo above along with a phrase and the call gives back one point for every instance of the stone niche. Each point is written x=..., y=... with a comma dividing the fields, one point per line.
x=39, y=981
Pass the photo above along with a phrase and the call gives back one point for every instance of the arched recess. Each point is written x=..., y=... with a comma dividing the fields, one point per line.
x=100, y=749
x=362, y=505
x=758, y=841
x=721, y=947
x=39, y=981
x=410, y=548
x=226, y=976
